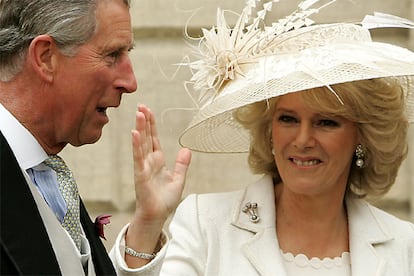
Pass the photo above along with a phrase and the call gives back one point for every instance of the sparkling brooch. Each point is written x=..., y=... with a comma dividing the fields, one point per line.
x=251, y=210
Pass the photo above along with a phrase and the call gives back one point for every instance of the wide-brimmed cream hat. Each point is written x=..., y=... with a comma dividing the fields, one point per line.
x=249, y=63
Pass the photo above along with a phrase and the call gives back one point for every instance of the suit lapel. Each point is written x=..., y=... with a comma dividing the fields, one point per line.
x=262, y=248
x=365, y=233
x=101, y=261
x=22, y=231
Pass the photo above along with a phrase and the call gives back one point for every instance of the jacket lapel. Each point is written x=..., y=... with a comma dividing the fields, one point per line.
x=101, y=261
x=262, y=248
x=22, y=231
x=365, y=232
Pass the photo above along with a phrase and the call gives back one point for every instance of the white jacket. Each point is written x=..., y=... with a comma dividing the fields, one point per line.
x=211, y=235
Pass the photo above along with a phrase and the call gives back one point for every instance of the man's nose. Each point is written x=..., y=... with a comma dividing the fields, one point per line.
x=126, y=81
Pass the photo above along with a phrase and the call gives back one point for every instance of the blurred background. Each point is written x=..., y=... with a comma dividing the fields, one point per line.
x=104, y=171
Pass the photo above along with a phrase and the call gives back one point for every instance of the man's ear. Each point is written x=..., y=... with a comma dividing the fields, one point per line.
x=43, y=56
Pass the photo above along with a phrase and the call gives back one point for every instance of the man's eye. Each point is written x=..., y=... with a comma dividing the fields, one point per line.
x=115, y=55
x=112, y=57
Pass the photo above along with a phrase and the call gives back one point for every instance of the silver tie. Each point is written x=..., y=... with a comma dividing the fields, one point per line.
x=69, y=190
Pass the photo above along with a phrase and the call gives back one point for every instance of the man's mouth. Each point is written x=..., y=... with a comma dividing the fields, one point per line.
x=102, y=110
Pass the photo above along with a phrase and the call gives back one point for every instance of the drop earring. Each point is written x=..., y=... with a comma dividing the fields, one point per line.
x=360, y=154
x=271, y=146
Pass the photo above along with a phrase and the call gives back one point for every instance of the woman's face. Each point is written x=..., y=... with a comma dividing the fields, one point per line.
x=313, y=153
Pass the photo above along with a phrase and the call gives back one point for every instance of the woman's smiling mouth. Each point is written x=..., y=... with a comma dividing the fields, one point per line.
x=305, y=163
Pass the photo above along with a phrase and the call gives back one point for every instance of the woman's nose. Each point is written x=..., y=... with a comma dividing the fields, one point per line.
x=304, y=136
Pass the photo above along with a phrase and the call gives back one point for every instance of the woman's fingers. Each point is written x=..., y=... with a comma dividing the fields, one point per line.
x=154, y=134
x=181, y=165
x=162, y=188
x=146, y=128
x=137, y=142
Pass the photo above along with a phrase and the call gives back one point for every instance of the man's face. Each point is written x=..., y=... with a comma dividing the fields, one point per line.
x=95, y=78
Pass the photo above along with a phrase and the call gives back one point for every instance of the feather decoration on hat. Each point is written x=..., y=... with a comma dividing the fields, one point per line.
x=222, y=51
x=383, y=20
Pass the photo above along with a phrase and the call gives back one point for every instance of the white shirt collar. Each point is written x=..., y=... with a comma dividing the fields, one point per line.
x=25, y=147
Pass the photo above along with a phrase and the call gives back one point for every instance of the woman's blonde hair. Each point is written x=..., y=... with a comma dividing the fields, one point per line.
x=377, y=108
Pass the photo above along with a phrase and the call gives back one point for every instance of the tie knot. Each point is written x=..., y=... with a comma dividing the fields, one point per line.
x=56, y=163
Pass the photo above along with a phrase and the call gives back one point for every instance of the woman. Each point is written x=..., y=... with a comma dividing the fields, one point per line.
x=323, y=112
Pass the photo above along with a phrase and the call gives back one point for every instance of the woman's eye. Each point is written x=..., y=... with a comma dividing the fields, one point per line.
x=328, y=123
x=287, y=119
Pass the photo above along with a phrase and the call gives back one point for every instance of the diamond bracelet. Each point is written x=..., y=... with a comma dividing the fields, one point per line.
x=142, y=255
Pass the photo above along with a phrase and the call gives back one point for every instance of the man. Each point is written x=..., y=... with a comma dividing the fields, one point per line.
x=62, y=65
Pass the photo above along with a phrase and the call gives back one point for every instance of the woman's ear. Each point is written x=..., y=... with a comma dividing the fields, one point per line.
x=42, y=54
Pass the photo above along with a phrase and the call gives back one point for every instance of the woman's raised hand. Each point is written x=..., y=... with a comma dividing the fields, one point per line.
x=158, y=190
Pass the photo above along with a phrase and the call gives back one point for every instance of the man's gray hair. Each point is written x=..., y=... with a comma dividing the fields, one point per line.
x=71, y=23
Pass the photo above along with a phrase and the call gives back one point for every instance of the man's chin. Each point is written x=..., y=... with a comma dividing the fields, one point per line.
x=87, y=140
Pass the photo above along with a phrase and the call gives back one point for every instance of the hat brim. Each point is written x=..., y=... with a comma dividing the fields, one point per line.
x=214, y=130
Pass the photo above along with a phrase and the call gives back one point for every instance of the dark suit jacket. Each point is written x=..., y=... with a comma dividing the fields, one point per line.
x=25, y=245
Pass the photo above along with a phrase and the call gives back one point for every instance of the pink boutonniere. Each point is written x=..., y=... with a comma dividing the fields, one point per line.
x=100, y=221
